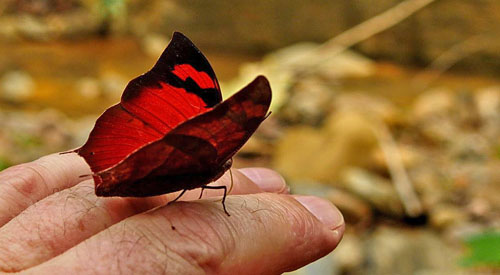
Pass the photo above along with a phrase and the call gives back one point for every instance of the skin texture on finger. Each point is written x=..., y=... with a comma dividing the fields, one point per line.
x=266, y=234
x=25, y=184
x=62, y=220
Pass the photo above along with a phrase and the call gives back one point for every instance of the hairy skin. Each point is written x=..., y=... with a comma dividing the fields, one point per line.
x=52, y=222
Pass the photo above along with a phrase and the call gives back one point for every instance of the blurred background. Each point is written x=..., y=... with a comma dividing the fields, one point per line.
x=389, y=108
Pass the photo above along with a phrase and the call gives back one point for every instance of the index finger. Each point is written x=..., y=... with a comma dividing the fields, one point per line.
x=25, y=184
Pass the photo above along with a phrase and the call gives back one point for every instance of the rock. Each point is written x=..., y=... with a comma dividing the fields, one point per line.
x=282, y=66
x=410, y=157
x=54, y=129
x=433, y=112
x=294, y=158
x=443, y=216
x=469, y=147
x=113, y=84
x=154, y=44
x=345, y=139
x=373, y=106
x=306, y=55
x=16, y=86
x=433, y=103
x=323, y=265
x=8, y=29
x=466, y=112
x=479, y=208
x=349, y=254
x=88, y=87
x=280, y=79
x=408, y=251
x=488, y=102
x=374, y=189
x=488, y=107
x=33, y=27
x=429, y=181
x=81, y=128
x=346, y=64
x=310, y=101
x=463, y=231
x=357, y=212
x=483, y=191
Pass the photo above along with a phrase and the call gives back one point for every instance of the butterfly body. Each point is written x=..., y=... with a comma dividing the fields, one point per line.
x=171, y=130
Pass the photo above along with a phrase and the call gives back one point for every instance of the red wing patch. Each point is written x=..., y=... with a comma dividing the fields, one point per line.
x=164, y=107
x=203, y=80
x=171, y=130
x=116, y=135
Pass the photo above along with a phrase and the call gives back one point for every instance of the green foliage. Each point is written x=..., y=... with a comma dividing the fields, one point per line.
x=113, y=7
x=3, y=163
x=24, y=140
x=484, y=250
x=498, y=151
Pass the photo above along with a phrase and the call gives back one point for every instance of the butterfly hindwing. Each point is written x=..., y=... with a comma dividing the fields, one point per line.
x=230, y=124
x=195, y=152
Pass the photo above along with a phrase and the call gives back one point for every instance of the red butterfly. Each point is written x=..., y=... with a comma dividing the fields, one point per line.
x=171, y=130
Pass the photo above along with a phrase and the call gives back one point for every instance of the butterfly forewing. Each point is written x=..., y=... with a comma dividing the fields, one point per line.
x=170, y=130
x=180, y=86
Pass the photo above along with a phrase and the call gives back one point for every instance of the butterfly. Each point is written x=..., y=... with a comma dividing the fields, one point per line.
x=171, y=131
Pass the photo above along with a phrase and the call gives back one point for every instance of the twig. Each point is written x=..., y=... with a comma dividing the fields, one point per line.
x=372, y=26
x=400, y=179
x=450, y=57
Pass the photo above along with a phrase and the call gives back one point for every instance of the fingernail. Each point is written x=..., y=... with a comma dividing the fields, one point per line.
x=268, y=180
x=322, y=209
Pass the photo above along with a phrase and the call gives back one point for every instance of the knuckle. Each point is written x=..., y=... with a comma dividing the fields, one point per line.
x=187, y=239
x=28, y=179
x=144, y=247
x=7, y=262
x=127, y=248
x=203, y=239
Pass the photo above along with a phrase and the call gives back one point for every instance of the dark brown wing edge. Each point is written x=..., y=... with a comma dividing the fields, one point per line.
x=231, y=123
x=227, y=127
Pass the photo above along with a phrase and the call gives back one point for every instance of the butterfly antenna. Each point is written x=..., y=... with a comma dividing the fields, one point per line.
x=232, y=182
x=68, y=152
x=230, y=187
x=84, y=176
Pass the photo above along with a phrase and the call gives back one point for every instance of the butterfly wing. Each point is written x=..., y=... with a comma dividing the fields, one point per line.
x=230, y=124
x=181, y=85
x=195, y=153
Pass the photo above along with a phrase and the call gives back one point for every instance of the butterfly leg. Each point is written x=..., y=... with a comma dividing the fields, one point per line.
x=201, y=194
x=178, y=197
x=68, y=152
x=232, y=182
x=223, y=198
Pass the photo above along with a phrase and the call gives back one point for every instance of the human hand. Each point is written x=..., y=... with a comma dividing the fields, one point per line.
x=52, y=222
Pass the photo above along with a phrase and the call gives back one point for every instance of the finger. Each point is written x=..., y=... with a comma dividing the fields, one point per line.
x=66, y=218
x=267, y=179
x=245, y=181
x=25, y=184
x=198, y=238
